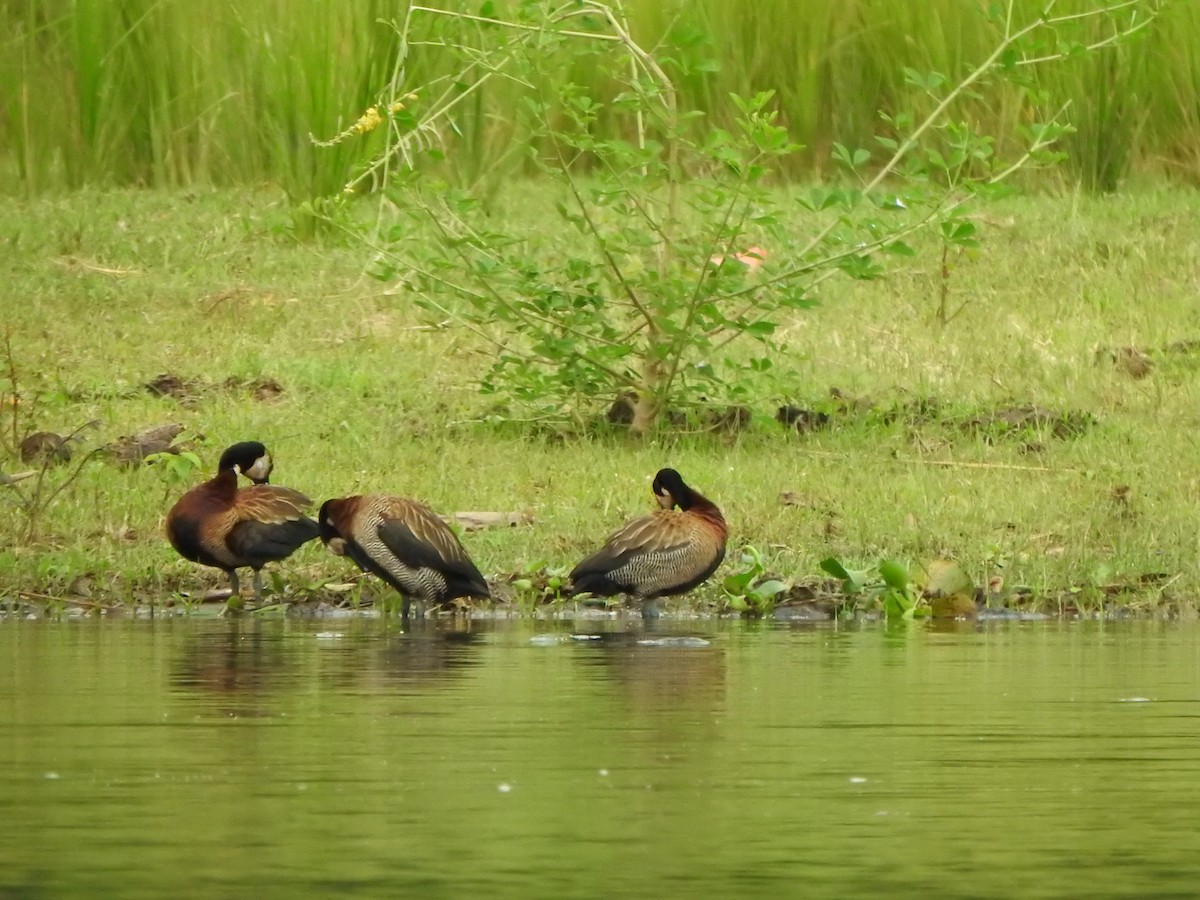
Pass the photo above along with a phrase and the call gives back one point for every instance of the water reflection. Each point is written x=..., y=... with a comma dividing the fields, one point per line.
x=659, y=670
x=300, y=758
x=234, y=665
x=427, y=653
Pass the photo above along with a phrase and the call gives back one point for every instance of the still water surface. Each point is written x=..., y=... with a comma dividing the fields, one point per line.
x=293, y=758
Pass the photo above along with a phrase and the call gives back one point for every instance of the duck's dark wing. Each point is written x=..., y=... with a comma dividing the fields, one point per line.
x=421, y=540
x=271, y=524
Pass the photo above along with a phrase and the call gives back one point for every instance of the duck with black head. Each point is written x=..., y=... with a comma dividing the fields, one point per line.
x=666, y=553
x=405, y=543
x=216, y=524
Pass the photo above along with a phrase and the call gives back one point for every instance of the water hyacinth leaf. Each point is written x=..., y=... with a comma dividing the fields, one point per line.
x=752, y=557
x=950, y=590
x=835, y=568
x=945, y=577
x=896, y=606
x=768, y=590
x=852, y=580
x=737, y=584
x=894, y=574
x=953, y=606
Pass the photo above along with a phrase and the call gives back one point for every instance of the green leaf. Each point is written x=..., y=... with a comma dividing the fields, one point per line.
x=894, y=606
x=768, y=590
x=852, y=580
x=737, y=584
x=835, y=568
x=894, y=574
x=944, y=577
x=752, y=557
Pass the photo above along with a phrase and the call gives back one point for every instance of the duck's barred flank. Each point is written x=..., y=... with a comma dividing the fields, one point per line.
x=403, y=542
x=666, y=553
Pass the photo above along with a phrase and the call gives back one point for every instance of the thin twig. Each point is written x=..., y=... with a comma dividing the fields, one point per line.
x=31, y=595
x=74, y=601
x=956, y=464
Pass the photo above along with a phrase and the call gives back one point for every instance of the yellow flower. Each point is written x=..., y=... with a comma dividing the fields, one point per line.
x=368, y=120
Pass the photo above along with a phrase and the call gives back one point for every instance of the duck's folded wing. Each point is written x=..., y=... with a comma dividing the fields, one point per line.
x=413, y=532
x=269, y=503
x=660, y=533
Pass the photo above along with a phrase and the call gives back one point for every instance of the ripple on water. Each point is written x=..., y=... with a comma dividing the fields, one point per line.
x=446, y=759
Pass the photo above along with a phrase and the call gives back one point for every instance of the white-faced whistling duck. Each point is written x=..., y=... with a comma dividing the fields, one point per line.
x=215, y=524
x=404, y=543
x=666, y=553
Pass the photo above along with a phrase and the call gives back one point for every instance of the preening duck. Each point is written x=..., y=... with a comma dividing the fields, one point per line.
x=666, y=553
x=216, y=524
x=403, y=542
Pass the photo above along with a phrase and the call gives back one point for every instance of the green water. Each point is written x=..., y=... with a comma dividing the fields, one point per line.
x=317, y=758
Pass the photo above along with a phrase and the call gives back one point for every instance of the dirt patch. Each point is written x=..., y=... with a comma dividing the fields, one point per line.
x=192, y=390
x=132, y=450
x=1011, y=419
x=1024, y=421
x=260, y=389
x=1141, y=362
x=704, y=417
x=46, y=448
x=168, y=385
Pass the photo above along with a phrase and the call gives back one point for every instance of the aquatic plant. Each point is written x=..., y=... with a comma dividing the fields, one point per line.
x=746, y=590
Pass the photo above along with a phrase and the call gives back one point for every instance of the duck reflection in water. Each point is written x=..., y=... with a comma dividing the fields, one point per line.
x=235, y=666
x=428, y=653
x=661, y=673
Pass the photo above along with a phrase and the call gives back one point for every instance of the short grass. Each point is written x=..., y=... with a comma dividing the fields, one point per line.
x=104, y=291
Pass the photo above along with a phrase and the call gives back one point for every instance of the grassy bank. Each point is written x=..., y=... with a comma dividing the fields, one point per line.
x=157, y=93
x=104, y=292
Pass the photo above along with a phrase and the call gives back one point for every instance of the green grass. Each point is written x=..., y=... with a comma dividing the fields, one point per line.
x=156, y=93
x=105, y=290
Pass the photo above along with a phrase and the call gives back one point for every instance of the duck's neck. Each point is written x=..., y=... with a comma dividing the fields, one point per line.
x=695, y=502
x=224, y=483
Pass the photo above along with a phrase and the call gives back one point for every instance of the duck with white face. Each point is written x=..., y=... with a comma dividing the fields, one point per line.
x=217, y=524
